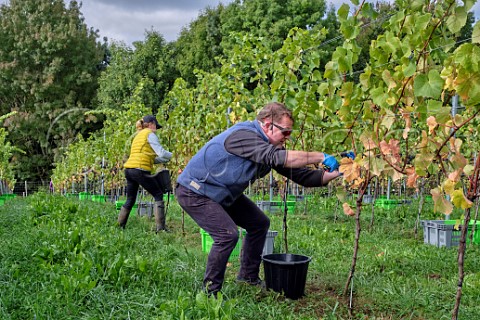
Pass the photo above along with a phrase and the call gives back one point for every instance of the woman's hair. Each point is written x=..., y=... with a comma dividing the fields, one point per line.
x=275, y=111
x=141, y=124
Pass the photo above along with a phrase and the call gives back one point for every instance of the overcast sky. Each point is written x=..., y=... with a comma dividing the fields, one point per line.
x=127, y=20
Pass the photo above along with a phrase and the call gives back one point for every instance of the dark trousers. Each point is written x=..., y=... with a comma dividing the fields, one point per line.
x=221, y=224
x=136, y=178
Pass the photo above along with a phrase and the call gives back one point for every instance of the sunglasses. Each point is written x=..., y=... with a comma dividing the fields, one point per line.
x=286, y=132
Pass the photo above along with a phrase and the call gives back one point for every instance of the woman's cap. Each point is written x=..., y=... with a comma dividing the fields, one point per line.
x=151, y=119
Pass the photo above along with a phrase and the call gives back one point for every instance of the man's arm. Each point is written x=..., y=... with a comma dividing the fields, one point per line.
x=298, y=159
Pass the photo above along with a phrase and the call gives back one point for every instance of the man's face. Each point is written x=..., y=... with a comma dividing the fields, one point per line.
x=278, y=131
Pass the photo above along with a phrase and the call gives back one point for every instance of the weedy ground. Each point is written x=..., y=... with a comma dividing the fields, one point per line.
x=66, y=259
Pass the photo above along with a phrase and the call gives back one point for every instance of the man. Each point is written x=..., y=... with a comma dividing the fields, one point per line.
x=210, y=189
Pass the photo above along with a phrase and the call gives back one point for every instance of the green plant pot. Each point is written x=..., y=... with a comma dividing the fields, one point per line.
x=84, y=196
x=99, y=198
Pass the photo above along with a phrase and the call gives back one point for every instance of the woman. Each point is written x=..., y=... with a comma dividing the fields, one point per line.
x=145, y=151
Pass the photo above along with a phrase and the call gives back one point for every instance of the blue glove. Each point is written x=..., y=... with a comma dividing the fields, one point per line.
x=330, y=162
x=349, y=154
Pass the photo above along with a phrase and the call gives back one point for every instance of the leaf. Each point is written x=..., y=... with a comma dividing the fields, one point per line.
x=350, y=169
x=458, y=161
x=343, y=11
x=391, y=150
x=341, y=194
x=432, y=124
x=347, y=210
x=377, y=165
x=411, y=177
x=468, y=169
x=476, y=33
x=379, y=96
x=460, y=201
x=389, y=119
x=408, y=123
x=410, y=69
x=428, y=86
x=449, y=186
x=389, y=81
x=456, y=21
x=440, y=204
x=455, y=175
x=368, y=141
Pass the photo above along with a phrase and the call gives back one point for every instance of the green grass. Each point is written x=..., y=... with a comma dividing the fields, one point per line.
x=66, y=259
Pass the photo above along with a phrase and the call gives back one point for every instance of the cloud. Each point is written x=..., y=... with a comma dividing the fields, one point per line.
x=128, y=21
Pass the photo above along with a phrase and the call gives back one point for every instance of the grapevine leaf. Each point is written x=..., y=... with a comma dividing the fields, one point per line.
x=347, y=210
x=455, y=175
x=432, y=124
x=440, y=204
x=428, y=86
x=368, y=141
x=377, y=166
x=341, y=194
x=343, y=11
x=460, y=201
x=350, y=169
x=469, y=87
x=457, y=20
x=410, y=69
x=449, y=186
x=379, y=96
x=476, y=33
x=411, y=177
x=389, y=119
x=468, y=4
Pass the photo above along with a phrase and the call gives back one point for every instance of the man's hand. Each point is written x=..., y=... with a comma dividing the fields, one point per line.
x=349, y=154
x=330, y=162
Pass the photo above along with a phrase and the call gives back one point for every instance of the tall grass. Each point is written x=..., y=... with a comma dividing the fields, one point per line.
x=66, y=259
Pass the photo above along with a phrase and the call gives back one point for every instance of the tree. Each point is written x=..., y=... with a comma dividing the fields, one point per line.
x=211, y=35
x=149, y=63
x=48, y=69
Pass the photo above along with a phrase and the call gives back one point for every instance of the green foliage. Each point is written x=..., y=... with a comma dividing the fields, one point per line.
x=7, y=175
x=150, y=63
x=208, y=39
x=102, y=155
x=48, y=74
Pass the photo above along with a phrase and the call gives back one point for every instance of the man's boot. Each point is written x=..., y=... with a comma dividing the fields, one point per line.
x=123, y=217
x=159, y=211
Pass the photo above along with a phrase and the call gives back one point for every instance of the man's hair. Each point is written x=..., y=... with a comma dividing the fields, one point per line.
x=274, y=111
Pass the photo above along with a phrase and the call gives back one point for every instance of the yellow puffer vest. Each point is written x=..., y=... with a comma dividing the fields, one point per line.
x=141, y=153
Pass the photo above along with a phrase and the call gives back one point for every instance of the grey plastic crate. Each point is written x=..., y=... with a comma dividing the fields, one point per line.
x=270, y=206
x=269, y=242
x=145, y=209
x=437, y=233
x=269, y=245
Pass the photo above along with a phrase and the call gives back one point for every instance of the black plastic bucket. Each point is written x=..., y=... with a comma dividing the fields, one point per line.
x=286, y=273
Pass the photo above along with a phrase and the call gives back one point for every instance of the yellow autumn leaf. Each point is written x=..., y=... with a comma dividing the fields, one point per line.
x=347, y=210
x=460, y=201
x=449, y=186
